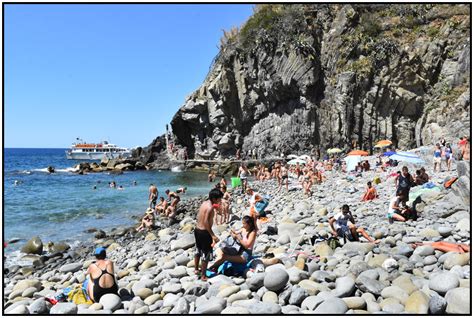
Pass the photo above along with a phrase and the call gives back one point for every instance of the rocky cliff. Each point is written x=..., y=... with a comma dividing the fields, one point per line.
x=295, y=78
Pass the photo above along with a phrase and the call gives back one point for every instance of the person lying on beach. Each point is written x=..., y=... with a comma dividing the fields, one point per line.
x=147, y=221
x=445, y=246
x=246, y=238
x=370, y=193
x=102, y=278
x=343, y=225
x=203, y=234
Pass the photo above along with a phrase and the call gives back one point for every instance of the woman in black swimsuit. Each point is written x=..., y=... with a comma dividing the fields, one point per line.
x=102, y=278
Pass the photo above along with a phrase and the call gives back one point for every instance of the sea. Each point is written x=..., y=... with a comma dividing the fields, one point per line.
x=61, y=206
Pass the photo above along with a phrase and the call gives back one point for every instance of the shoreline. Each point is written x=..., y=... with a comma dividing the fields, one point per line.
x=157, y=265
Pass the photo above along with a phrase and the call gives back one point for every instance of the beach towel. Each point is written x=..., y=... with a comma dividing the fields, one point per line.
x=231, y=269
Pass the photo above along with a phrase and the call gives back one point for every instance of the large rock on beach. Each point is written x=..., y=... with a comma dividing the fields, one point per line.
x=443, y=282
x=417, y=303
x=345, y=286
x=459, y=259
x=331, y=306
x=33, y=246
x=459, y=301
x=73, y=267
x=110, y=302
x=213, y=306
x=276, y=279
x=64, y=309
x=184, y=242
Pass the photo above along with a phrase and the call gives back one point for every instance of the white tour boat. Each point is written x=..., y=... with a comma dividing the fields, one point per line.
x=84, y=151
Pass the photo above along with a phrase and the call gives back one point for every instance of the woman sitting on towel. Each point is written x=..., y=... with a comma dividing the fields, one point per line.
x=370, y=193
x=246, y=237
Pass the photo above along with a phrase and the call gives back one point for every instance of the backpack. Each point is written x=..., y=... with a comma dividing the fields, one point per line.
x=333, y=242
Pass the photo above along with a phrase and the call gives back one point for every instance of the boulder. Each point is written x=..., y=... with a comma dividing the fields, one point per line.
x=452, y=260
x=214, y=306
x=33, y=246
x=355, y=302
x=459, y=301
x=184, y=242
x=110, y=302
x=437, y=305
x=443, y=282
x=73, y=267
x=417, y=303
x=331, y=306
x=64, y=309
x=345, y=286
x=359, y=247
x=39, y=307
x=276, y=279
x=260, y=308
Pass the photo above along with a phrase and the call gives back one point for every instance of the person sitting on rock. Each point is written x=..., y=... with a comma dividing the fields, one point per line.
x=148, y=221
x=395, y=208
x=171, y=209
x=246, y=238
x=366, y=165
x=370, y=193
x=102, y=278
x=343, y=225
x=161, y=206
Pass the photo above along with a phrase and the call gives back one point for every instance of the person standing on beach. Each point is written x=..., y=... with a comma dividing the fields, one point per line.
x=152, y=195
x=243, y=175
x=205, y=237
x=404, y=182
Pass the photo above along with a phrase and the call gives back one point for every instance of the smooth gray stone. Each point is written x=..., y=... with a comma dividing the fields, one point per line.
x=38, y=307
x=256, y=281
x=64, y=309
x=297, y=296
x=73, y=267
x=332, y=306
x=443, y=282
x=345, y=286
x=276, y=279
x=369, y=285
x=311, y=302
x=181, y=308
x=459, y=301
x=110, y=302
x=264, y=308
x=214, y=306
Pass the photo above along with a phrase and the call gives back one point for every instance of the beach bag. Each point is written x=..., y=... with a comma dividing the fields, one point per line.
x=333, y=242
x=230, y=246
x=78, y=296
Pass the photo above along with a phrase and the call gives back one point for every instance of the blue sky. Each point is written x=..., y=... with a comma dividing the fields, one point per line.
x=105, y=71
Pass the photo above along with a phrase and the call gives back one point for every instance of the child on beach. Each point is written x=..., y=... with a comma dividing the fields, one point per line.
x=370, y=193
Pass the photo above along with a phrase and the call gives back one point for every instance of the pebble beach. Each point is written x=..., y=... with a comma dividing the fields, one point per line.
x=155, y=269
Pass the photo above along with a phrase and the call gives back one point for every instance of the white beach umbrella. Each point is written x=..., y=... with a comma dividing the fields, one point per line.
x=291, y=157
x=296, y=161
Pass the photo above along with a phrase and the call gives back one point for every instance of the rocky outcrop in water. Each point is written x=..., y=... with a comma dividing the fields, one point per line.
x=299, y=77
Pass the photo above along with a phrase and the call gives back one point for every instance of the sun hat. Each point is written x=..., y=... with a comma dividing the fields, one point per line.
x=149, y=211
x=99, y=251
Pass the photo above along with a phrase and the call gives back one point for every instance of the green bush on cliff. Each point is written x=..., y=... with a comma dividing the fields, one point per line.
x=264, y=17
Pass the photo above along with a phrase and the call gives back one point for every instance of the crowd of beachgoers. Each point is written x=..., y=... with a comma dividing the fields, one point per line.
x=334, y=234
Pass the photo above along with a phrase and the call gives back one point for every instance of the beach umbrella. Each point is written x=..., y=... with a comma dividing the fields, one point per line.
x=352, y=161
x=292, y=157
x=407, y=157
x=296, y=161
x=383, y=144
x=334, y=150
x=388, y=153
x=304, y=157
x=358, y=153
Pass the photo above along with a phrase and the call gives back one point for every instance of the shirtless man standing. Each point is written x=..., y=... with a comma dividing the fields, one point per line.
x=152, y=195
x=205, y=237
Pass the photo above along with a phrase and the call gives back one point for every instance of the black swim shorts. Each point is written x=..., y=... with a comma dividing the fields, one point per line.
x=203, y=244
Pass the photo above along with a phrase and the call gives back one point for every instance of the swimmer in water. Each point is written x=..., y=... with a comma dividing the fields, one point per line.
x=181, y=190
